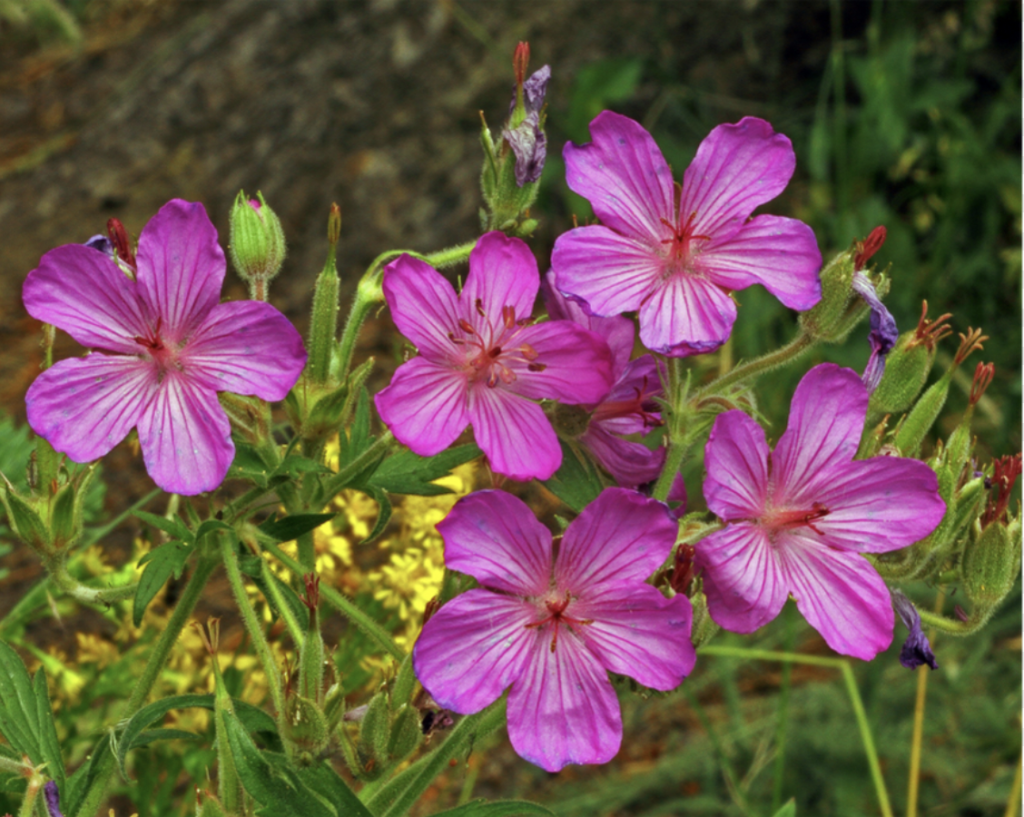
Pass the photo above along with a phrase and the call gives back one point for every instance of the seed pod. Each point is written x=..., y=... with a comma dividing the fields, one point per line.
x=825, y=321
x=406, y=733
x=990, y=565
x=906, y=370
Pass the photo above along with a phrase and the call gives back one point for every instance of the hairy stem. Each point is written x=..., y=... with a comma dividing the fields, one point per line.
x=759, y=365
x=82, y=593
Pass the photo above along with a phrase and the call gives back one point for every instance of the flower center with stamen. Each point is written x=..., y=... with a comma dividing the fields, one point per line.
x=781, y=519
x=556, y=615
x=641, y=404
x=162, y=352
x=489, y=347
x=680, y=250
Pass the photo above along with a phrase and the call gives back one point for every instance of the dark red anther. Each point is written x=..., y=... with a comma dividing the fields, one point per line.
x=466, y=326
x=312, y=600
x=960, y=613
x=520, y=62
x=868, y=247
x=430, y=609
x=684, y=569
x=983, y=374
x=119, y=238
x=929, y=332
x=479, y=304
x=1006, y=470
x=971, y=342
x=508, y=315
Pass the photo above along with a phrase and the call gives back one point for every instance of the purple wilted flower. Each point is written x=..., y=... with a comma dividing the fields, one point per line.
x=526, y=136
x=52, y=796
x=883, y=334
x=801, y=516
x=550, y=626
x=628, y=408
x=677, y=262
x=482, y=362
x=163, y=347
x=916, y=649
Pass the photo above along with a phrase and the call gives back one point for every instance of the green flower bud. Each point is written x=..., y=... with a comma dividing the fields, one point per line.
x=908, y=366
x=401, y=693
x=257, y=242
x=208, y=806
x=23, y=515
x=827, y=320
x=374, y=736
x=990, y=565
x=406, y=733
x=311, y=656
x=704, y=629
x=306, y=725
x=323, y=329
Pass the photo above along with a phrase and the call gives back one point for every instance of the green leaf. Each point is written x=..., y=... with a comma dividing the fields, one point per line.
x=248, y=465
x=149, y=715
x=383, y=514
x=254, y=571
x=209, y=526
x=496, y=808
x=174, y=527
x=408, y=473
x=292, y=527
x=788, y=810
x=153, y=735
x=358, y=439
x=49, y=746
x=326, y=782
x=577, y=483
x=160, y=564
x=85, y=775
x=19, y=719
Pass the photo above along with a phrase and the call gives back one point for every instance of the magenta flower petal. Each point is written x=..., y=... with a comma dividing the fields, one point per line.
x=743, y=577
x=495, y=538
x=643, y=635
x=563, y=709
x=185, y=437
x=631, y=464
x=502, y=273
x=779, y=253
x=246, y=347
x=85, y=406
x=623, y=175
x=475, y=647
x=620, y=538
x=826, y=420
x=577, y=364
x=423, y=304
x=737, y=168
x=630, y=408
x=180, y=268
x=840, y=595
x=736, y=459
x=881, y=504
x=689, y=308
x=613, y=273
x=84, y=293
x=514, y=434
x=425, y=405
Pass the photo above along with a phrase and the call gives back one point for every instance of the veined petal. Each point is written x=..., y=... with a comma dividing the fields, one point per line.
x=185, y=437
x=631, y=464
x=246, y=347
x=840, y=595
x=514, y=433
x=577, y=364
x=780, y=253
x=880, y=504
x=82, y=292
x=825, y=423
x=686, y=316
x=629, y=408
x=423, y=305
x=180, y=268
x=617, y=331
x=495, y=538
x=618, y=540
x=737, y=168
x=425, y=405
x=611, y=272
x=502, y=272
x=736, y=459
x=562, y=709
x=743, y=577
x=84, y=406
x=624, y=176
x=473, y=648
x=641, y=634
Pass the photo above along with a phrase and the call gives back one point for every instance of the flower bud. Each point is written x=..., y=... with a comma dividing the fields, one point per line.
x=24, y=518
x=374, y=736
x=306, y=725
x=828, y=320
x=908, y=366
x=311, y=656
x=257, y=242
x=991, y=564
x=323, y=328
x=406, y=733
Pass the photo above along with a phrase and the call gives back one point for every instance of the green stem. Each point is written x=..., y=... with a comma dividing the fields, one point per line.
x=84, y=594
x=93, y=535
x=182, y=611
x=783, y=713
x=35, y=783
x=673, y=462
x=345, y=475
x=949, y=625
x=851, y=688
x=914, y=775
x=294, y=629
x=759, y=365
x=462, y=737
x=450, y=256
x=343, y=605
x=723, y=760
x=14, y=767
x=252, y=622
x=1013, y=802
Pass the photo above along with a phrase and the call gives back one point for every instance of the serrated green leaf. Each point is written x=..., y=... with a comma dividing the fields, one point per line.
x=148, y=715
x=49, y=746
x=496, y=808
x=577, y=482
x=19, y=720
x=292, y=527
x=173, y=527
x=408, y=473
x=160, y=564
x=788, y=810
x=326, y=782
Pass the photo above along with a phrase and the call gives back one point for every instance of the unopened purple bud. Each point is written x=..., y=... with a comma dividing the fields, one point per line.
x=102, y=244
x=52, y=799
x=535, y=88
x=883, y=334
x=530, y=145
x=916, y=649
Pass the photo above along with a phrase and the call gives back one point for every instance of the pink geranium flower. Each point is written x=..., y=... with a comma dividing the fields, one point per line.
x=628, y=408
x=801, y=516
x=675, y=259
x=552, y=626
x=483, y=363
x=163, y=347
